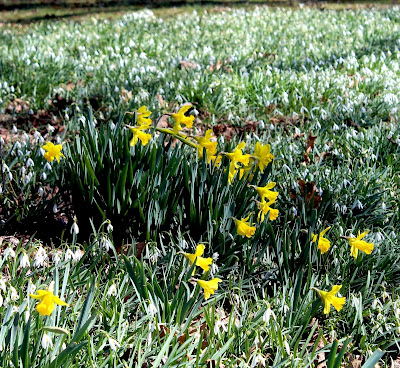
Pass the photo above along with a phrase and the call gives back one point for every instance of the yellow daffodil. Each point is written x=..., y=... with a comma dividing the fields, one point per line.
x=329, y=298
x=53, y=151
x=266, y=192
x=139, y=134
x=237, y=156
x=263, y=155
x=205, y=142
x=181, y=118
x=209, y=286
x=47, y=302
x=143, y=117
x=323, y=243
x=265, y=208
x=357, y=244
x=244, y=228
x=202, y=262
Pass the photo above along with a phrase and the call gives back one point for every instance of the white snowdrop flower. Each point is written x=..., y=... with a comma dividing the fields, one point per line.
x=29, y=162
x=110, y=228
x=259, y=360
x=24, y=261
x=379, y=237
x=47, y=342
x=40, y=257
x=268, y=314
x=9, y=252
x=23, y=170
x=286, y=308
x=114, y=344
x=294, y=211
x=43, y=176
x=55, y=208
x=57, y=257
x=26, y=316
x=219, y=324
x=152, y=310
x=154, y=254
x=183, y=244
x=14, y=129
x=40, y=191
x=14, y=294
x=58, y=140
x=1, y=304
x=105, y=243
x=385, y=295
x=14, y=309
x=47, y=166
x=335, y=127
x=10, y=176
x=116, y=89
x=214, y=269
x=69, y=255
x=112, y=126
x=41, y=152
x=261, y=124
x=74, y=229
x=78, y=254
x=344, y=209
x=20, y=153
x=112, y=290
x=297, y=131
x=31, y=288
x=384, y=206
x=50, y=128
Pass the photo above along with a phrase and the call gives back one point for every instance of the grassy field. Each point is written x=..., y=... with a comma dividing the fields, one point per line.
x=256, y=227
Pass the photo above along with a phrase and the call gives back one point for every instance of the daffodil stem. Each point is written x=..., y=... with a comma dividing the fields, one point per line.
x=177, y=136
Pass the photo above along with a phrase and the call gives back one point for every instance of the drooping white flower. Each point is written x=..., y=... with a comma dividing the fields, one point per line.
x=47, y=341
x=40, y=257
x=112, y=290
x=114, y=344
x=9, y=252
x=24, y=261
x=74, y=228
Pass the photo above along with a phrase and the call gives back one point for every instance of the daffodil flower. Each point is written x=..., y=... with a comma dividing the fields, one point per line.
x=263, y=155
x=329, y=298
x=265, y=208
x=197, y=258
x=244, y=228
x=53, y=151
x=266, y=192
x=209, y=286
x=205, y=142
x=237, y=156
x=143, y=117
x=180, y=118
x=323, y=243
x=139, y=134
x=47, y=302
x=357, y=244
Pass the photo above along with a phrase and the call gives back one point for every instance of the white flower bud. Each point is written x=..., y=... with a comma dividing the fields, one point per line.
x=55, y=208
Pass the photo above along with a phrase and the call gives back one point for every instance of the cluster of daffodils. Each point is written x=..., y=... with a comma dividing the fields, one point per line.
x=267, y=198
x=197, y=259
x=356, y=244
